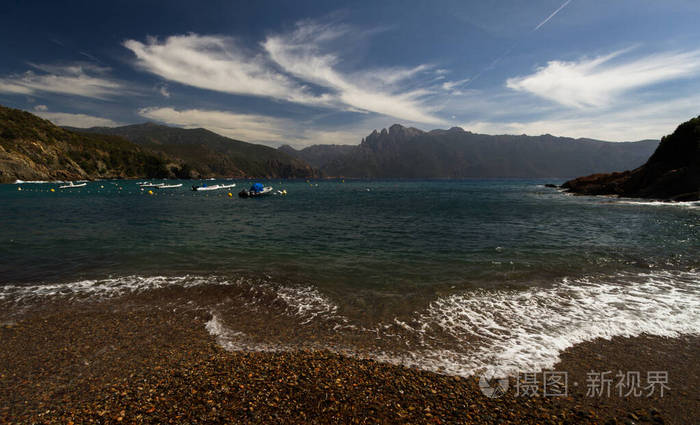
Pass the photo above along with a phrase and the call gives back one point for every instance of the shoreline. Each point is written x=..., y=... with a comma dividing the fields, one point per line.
x=121, y=365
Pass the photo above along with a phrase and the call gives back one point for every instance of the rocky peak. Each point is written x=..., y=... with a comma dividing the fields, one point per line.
x=386, y=139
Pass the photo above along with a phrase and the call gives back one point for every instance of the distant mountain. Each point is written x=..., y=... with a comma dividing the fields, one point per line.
x=212, y=155
x=32, y=148
x=319, y=155
x=671, y=173
x=402, y=152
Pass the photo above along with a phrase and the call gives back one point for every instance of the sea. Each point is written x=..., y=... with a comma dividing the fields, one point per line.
x=456, y=277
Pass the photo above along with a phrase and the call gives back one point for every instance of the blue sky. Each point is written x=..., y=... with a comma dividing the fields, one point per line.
x=306, y=72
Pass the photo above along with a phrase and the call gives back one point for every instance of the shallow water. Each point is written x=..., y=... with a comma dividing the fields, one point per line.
x=451, y=276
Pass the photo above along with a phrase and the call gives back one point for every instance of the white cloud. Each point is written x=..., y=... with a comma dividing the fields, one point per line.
x=216, y=63
x=163, y=90
x=80, y=80
x=301, y=54
x=599, y=82
x=632, y=122
x=238, y=126
x=77, y=120
x=41, y=108
x=292, y=67
x=250, y=127
x=449, y=85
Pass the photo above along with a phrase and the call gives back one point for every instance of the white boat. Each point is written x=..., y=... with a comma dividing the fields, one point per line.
x=72, y=185
x=213, y=187
x=151, y=184
x=168, y=186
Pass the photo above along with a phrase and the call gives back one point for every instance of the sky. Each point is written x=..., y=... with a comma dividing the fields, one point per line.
x=329, y=72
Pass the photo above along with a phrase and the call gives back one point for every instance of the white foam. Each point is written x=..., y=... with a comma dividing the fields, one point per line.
x=231, y=340
x=97, y=288
x=679, y=204
x=307, y=302
x=492, y=331
x=304, y=302
x=506, y=331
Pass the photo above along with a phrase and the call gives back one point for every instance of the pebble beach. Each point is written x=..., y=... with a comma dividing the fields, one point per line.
x=107, y=365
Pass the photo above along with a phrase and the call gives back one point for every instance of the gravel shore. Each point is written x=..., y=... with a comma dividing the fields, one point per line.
x=160, y=367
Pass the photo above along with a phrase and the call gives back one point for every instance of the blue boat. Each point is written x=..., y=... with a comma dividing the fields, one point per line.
x=256, y=189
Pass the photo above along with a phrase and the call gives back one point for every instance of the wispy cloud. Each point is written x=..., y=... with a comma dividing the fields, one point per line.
x=302, y=66
x=79, y=79
x=163, y=90
x=216, y=63
x=632, y=121
x=250, y=127
x=600, y=81
x=77, y=120
x=239, y=126
x=302, y=53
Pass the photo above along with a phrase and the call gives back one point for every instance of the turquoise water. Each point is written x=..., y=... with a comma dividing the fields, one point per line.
x=367, y=253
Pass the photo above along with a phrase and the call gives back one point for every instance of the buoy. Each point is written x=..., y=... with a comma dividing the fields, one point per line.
x=53, y=190
x=230, y=194
x=150, y=192
x=19, y=188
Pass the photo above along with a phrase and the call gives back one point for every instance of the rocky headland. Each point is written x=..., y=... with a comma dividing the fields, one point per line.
x=672, y=173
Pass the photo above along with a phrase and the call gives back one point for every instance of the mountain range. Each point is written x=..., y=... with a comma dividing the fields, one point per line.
x=404, y=152
x=34, y=149
x=208, y=154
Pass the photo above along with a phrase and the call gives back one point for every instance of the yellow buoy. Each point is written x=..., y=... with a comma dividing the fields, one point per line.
x=19, y=188
x=53, y=190
x=230, y=194
x=150, y=192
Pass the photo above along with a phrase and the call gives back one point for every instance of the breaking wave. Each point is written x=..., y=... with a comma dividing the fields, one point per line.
x=463, y=333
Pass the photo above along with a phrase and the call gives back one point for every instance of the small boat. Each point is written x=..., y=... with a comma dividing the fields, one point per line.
x=257, y=189
x=204, y=187
x=168, y=186
x=72, y=185
x=156, y=185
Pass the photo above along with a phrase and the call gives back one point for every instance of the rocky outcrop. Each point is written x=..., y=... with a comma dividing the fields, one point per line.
x=671, y=173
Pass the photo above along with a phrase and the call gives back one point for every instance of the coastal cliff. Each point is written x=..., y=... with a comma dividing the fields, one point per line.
x=671, y=173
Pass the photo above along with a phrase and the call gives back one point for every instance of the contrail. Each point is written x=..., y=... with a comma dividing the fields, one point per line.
x=515, y=45
x=552, y=15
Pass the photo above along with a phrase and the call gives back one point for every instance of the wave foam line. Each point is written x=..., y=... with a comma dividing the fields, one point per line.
x=528, y=330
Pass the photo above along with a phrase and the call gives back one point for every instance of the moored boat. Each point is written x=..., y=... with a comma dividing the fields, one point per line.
x=205, y=187
x=72, y=185
x=257, y=189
